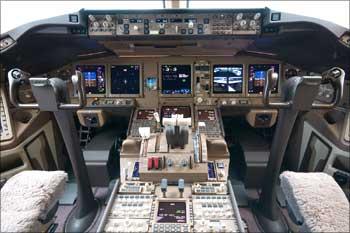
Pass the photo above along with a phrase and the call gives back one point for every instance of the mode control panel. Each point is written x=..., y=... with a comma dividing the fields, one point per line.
x=110, y=102
x=221, y=23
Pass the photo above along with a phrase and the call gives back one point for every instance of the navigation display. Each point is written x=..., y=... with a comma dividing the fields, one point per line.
x=168, y=111
x=206, y=115
x=257, y=76
x=176, y=79
x=227, y=79
x=94, y=76
x=145, y=114
x=171, y=212
x=125, y=79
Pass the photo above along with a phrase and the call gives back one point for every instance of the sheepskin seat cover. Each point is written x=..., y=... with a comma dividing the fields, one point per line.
x=27, y=196
x=318, y=200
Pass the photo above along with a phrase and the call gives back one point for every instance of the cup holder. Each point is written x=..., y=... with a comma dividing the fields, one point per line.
x=23, y=116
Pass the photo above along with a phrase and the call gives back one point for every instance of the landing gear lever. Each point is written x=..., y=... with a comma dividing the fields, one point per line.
x=298, y=96
x=51, y=95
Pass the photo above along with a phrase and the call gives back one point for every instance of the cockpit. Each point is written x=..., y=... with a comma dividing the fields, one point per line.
x=175, y=120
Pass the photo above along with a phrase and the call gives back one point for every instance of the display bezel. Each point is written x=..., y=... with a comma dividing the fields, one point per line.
x=106, y=77
x=160, y=81
x=280, y=67
x=171, y=200
x=125, y=95
x=228, y=94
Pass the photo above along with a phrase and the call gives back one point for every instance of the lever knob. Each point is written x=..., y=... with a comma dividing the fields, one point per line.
x=181, y=186
x=164, y=186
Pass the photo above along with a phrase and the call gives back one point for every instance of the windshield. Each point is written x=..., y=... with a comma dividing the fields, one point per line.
x=16, y=13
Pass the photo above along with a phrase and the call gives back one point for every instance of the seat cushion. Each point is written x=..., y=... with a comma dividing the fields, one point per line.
x=27, y=197
x=318, y=200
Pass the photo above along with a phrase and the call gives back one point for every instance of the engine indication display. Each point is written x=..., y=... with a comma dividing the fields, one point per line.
x=176, y=79
x=171, y=212
x=206, y=115
x=125, y=79
x=145, y=114
x=168, y=111
x=257, y=76
x=94, y=76
x=227, y=79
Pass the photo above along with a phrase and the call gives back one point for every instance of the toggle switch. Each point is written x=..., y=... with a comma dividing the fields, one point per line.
x=164, y=186
x=181, y=186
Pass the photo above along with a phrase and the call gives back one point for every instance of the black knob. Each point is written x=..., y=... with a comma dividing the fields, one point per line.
x=161, y=31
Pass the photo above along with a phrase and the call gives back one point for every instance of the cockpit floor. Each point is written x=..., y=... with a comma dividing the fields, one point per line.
x=63, y=211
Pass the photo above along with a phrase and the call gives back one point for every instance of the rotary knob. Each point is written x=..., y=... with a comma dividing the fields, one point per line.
x=105, y=24
x=184, y=163
x=96, y=24
x=239, y=16
x=252, y=24
x=92, y=18
x=243, y=24
x=199, y=100
x=109, y=18
x=257, y=16
x=169, y=162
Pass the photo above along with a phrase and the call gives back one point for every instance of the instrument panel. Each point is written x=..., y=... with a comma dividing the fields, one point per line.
x=232, y=22
x=178, y=80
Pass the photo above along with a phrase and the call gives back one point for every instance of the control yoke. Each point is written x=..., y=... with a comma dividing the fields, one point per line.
x=17, y=77
x=52, y=95
x=298, y=95
x=334, y=76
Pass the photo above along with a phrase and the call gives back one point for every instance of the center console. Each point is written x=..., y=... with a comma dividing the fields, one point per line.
x=166, y=188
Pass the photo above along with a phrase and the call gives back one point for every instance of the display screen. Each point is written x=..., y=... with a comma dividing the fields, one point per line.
x=94, y=76
x=145, y=114
x=168, y=111
x=227, y=79
x=257, y=76
x=136, y=171
x=206, y=115
x=176, y=79
x=171, y=212
x=125, y=79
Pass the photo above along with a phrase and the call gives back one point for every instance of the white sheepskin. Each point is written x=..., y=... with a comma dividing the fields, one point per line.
x=27, y=196
x=318, y=199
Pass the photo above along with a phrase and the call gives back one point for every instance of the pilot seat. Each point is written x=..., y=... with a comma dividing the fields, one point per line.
x=29, y=200
x=315, y=202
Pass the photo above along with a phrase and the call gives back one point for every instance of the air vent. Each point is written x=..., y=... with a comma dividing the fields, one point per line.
x=164, y=46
